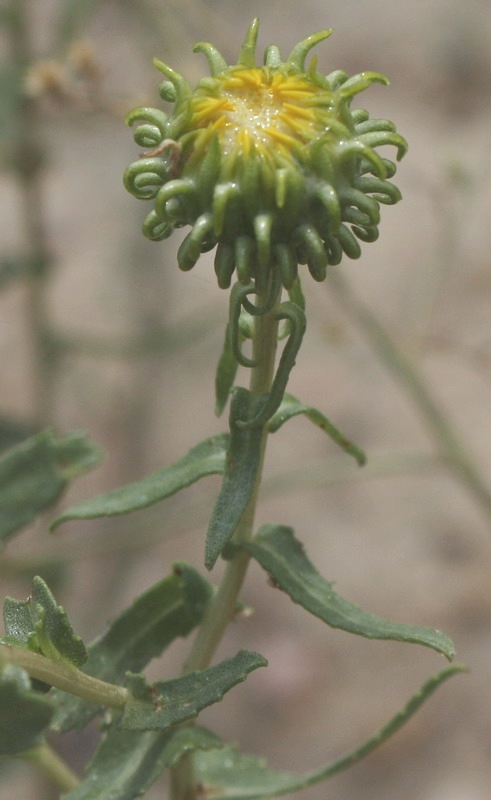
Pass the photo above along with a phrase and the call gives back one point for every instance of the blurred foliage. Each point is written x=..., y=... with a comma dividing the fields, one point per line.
x=40, y=79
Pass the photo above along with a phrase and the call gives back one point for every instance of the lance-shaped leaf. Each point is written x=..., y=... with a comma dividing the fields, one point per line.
x=283, y=557
x=34, y=474
x=242, y=463
x=127, y=763
x=207, y=458
x=168, y=610
x=291, y=407
x=168, y=703
x=43, y=626
x=24, y=713
x=228, y=774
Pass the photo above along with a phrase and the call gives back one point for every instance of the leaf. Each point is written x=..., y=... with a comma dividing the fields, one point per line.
x=13, y=432
x=283, y=557
x=24, y=713
x=291, y=407
x=242, y=462
x=34, y=474
x=127, y=763
x=225, y=375
x=75, y=455
x=228, y=774
x=207, y=458
x=41, y=624
x=168, y=703
x=168, y=610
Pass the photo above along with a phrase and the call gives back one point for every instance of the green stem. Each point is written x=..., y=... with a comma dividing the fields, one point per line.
x=65, y=677
x=221, y=609
x=53, y=766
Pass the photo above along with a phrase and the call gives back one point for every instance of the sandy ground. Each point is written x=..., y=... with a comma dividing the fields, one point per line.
x=412, y=545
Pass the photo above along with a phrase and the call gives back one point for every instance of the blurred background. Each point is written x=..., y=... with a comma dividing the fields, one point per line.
x=100, y=331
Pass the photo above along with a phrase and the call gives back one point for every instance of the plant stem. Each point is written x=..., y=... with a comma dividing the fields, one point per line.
x=28, y=161
x=459, y=461
x=221, y=609
x=53, y=766
x=65, y=677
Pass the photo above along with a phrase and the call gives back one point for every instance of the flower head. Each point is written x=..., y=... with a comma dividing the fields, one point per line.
x=267, y=163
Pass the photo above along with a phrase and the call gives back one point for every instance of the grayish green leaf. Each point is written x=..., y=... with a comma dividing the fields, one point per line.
x=283, y=557
x=227, y=774
x=75, y=455
x=291, y=407
x=168, y=703
x=33, y=475
x=168, y=610
x=41, y=624
x=18, y=623
x=127, y=763
x=242, y=463
x=207, y=458
x=13, y=432
x=24, y=713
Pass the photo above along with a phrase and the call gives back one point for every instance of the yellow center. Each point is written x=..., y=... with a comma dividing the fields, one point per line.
x=259, y=108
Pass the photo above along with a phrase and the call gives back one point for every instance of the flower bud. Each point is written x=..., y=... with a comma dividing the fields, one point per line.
x=268, y=164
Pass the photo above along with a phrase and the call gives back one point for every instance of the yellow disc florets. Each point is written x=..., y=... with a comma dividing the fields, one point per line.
x=259, y=108
x=269, y=164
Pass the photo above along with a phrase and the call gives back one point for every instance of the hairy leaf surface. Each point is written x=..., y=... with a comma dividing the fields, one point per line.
x=207, y=458
x=41, y=624
x=230, y=775
x=291, y=407
x=168, y=610
x=167, y=703
x=127, y=763
x=242, y=463
x=33, y=475
x=283, y=557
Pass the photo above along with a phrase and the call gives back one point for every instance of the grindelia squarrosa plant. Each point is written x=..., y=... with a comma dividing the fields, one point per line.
x=270, y=167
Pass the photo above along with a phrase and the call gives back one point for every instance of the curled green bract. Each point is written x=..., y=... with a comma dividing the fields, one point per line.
x=267, y=164
x=295, y=318
x=271, y=402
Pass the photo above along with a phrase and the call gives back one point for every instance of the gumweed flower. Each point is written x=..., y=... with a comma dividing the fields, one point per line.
x=269, y=164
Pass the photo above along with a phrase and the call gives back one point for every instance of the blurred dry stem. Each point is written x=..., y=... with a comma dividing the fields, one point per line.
x=54, y=768
x=406, y=371
x=28, y=159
